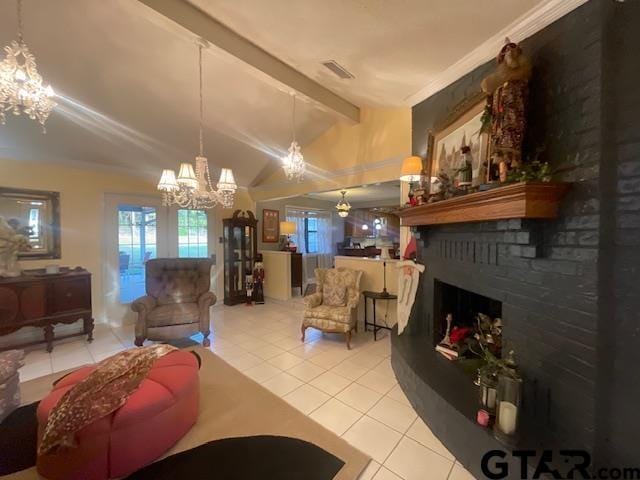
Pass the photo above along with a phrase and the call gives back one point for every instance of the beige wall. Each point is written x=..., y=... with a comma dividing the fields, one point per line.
x=373, y=280
x=81, y=212
x=348, y=155
x=82, y=197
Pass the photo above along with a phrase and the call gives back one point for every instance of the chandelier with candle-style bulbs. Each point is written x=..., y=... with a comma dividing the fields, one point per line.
x=343, y=206
x=293, y=163
x=22, y=89
x=192, y=189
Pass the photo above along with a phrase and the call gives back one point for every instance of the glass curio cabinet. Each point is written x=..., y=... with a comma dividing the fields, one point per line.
x=240, y=249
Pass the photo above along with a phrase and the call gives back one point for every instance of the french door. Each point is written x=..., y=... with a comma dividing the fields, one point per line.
x=136, y=230
x=139, y=228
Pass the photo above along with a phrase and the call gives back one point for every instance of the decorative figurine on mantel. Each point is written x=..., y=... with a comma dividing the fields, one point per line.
x=465, y=172
x=508, y=89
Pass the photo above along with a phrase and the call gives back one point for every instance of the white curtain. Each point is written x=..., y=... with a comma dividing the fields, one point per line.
x=298, y=238
x=325, y=228
x=324, y=256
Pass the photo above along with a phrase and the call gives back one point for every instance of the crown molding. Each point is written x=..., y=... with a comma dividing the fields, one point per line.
x=326, y=175
x=528, y=24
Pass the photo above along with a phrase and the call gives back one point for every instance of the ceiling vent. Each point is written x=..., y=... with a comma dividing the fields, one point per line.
x=339, y=70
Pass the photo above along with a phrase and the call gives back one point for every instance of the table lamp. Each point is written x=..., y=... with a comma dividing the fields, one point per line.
x=287, y=228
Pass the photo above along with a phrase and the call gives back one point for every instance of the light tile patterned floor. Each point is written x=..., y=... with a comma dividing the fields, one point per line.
x=353, y=393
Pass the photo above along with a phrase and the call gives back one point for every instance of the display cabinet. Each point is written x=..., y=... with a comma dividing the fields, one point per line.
x=240, y=249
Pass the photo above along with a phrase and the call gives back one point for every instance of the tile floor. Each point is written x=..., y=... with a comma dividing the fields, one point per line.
x=353, y=393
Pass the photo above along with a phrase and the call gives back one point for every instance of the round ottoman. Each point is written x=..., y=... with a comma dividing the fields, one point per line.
x=152, y=420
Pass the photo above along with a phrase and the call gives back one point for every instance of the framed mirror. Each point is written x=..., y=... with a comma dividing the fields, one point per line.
x=36, y=215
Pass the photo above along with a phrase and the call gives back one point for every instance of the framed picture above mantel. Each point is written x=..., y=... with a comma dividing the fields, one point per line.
x=270, y=226
x=464, y=129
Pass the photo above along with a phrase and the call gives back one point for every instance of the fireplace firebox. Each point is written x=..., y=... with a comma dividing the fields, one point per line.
x=463, y=306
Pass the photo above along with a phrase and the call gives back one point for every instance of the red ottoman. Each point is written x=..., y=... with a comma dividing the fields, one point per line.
x=152, y=420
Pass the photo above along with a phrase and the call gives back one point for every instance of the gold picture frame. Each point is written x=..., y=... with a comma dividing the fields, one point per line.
x=464, y=129
x=270, y=226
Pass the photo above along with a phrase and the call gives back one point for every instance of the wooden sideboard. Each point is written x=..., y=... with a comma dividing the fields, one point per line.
x=296, y=272
x=38, y=300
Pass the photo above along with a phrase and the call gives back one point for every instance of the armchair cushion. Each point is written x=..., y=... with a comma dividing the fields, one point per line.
x=313, y=300
x=335, y=314
x=173, y=314
x=334, y=295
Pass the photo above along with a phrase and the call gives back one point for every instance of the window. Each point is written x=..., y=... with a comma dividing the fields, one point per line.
x=311, y=234
x=136, y=245
x=192, y=234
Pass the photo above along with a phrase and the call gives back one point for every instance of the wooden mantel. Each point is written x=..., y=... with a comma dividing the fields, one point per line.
x=519, y=200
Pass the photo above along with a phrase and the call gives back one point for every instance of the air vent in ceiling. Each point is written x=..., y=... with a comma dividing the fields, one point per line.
x=339, y=70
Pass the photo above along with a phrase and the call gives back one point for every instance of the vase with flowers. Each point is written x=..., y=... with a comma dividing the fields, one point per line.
x=11, y=243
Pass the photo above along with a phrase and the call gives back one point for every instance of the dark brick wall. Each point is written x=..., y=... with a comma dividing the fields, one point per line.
x=619, y=311
x=545, y=273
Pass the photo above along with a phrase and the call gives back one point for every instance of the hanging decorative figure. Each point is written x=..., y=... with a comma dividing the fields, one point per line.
x=407, y=284
x=507, y=91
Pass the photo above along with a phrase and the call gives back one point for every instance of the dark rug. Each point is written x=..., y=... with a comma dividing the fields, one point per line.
x=247, y=458
x=18, y=438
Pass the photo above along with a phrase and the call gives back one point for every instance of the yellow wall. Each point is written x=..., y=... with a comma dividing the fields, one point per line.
x=82, y=196
x=373, y=280
x=347, y=155
x=81, y=211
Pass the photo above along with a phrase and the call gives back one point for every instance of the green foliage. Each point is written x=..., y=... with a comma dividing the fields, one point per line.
x=534, y=171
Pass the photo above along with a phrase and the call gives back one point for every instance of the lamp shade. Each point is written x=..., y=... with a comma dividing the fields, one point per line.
x=227, y=181
x=411, y=169
x=187, y=176
x=167, y=181
x=287, y=228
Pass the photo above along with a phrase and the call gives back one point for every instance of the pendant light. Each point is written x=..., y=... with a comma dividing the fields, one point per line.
x=293, y=163
x=22, y=88
x=192, y=188
x=343, y=206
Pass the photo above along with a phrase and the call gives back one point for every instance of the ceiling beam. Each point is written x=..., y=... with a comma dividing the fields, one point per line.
x=204, y=26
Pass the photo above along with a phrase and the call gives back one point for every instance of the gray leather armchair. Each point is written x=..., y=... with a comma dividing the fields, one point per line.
x=177, y=301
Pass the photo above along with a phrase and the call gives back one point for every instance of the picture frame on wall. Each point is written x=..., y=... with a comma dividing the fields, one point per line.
x=464, y=129
x=270, y=226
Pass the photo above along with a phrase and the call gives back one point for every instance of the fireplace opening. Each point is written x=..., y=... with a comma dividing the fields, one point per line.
x=461, y=318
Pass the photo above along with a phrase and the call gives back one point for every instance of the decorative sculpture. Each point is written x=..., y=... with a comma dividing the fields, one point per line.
x=508, y=89
x=258, y=281
x=447, y=338
x=10, y=244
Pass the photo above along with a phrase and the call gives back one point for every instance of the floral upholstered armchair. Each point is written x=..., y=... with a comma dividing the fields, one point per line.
x=177, y=301
x=334, y=306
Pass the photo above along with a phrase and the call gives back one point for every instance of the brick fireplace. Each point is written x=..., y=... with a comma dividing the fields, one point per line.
x=564, y=286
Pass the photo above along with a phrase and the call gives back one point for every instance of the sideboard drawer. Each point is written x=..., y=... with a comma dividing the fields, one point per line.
x=70, y=294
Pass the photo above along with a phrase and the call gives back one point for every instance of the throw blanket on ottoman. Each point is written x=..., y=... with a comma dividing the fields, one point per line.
x=150, y=421
x=102, y=392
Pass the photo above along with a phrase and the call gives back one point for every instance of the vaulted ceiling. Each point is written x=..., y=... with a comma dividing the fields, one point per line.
x=126, y=74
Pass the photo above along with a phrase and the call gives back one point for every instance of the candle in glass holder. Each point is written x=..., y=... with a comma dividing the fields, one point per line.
x=507, y=417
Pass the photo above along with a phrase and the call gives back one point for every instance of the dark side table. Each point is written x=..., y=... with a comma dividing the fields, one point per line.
x=375, y=296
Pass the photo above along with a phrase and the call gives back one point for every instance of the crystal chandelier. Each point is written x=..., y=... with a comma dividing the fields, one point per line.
x=293, y=163
x=21, y=86
x=192, y=189
x=343, y=206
